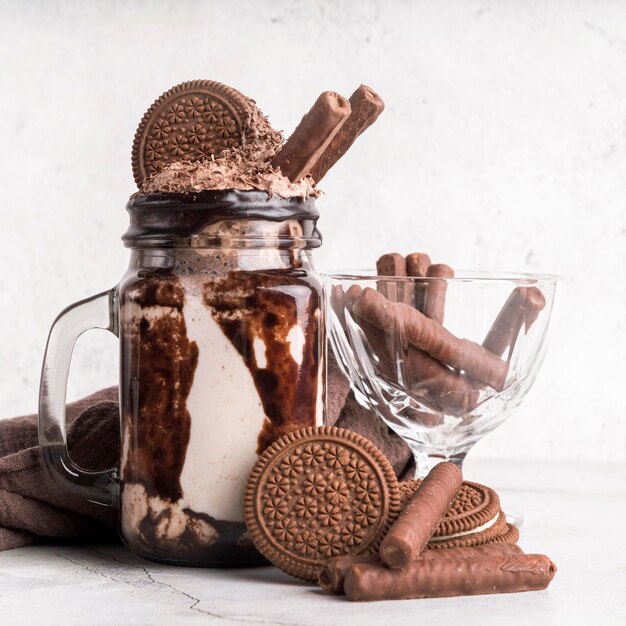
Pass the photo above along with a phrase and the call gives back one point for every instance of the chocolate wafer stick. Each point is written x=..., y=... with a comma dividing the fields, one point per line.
x=450, y=391
x=352, y=295
x=417, y=265
x=521, y=308
x=410, y=533
x=435, y=291
x=393, y=264
x=446, y=390
x=387, y=347
x=426, y=334
x=312, y=136
x=381, y=343
x=366, y=106
x=332, y=576
x=449, y=577
x=338, y=303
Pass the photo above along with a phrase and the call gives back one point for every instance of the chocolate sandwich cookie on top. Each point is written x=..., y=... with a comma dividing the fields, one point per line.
x=318, y=493
x=197, y=120
x=474, y=518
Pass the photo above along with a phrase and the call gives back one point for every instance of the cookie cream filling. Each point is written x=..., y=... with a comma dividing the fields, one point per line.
x=463, y=533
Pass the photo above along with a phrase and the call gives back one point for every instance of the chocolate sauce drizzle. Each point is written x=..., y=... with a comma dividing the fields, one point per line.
x=165, y=362
x=267, y=305
x=164, y=218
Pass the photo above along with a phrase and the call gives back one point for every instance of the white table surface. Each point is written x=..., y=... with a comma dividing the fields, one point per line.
x=573, y=513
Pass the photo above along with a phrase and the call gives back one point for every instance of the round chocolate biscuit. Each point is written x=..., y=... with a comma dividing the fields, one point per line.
x=190, y=122
x=319, y=493
x=407, y=489
x=510, y=535
x=474, y=517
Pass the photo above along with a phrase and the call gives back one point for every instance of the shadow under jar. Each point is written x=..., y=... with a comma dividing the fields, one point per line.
x=221, y=336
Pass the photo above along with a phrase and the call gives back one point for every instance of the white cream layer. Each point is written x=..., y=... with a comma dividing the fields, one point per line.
x=226, y=419
x=225, y=409
x=463, y=533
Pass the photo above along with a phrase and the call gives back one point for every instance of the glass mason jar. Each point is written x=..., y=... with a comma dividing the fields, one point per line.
x=221, y=341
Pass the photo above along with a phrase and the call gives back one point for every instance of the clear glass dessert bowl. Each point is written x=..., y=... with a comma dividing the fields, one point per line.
x=445, y=380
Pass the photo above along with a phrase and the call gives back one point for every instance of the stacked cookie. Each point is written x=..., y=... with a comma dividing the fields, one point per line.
x=323, y=504
x=473, y=519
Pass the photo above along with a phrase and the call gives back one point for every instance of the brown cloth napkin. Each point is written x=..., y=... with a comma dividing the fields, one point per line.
x=368, y=424
x=344, y=411
x=32, y=506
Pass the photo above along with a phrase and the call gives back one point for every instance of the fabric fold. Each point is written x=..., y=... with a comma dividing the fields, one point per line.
x=33, y=506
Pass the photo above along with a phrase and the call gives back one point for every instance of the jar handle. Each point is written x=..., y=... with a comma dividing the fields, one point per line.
x=99, y=311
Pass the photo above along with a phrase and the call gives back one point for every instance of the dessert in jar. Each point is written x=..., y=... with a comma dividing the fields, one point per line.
x=221, y=338
x=219, y=317
x=221, y=327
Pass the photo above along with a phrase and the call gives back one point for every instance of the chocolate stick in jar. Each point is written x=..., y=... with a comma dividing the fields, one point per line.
x=410, y=533
x=312, y=136
x=435, y=291
x=429, y=336
x=366, y=106
x=332, y=576
x=449, y=577
x=417, y=264
x=393, y=264
x=521, y=308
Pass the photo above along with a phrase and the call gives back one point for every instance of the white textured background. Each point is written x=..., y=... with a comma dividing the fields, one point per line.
x=502, y=147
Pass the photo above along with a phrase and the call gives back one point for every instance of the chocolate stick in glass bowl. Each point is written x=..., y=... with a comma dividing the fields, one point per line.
x=393, y=264
x=426, y=334
x=448, y=390
x=451, y=392
x=366, y=106
x=312, y=136
x=417, y=264
x=521, y=308
x=410, y=533
x=338, y=304
x=435, y=291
